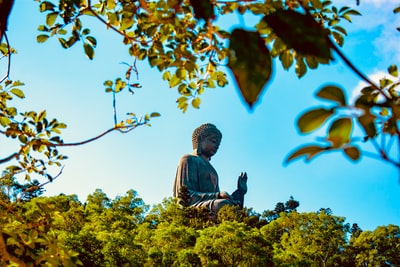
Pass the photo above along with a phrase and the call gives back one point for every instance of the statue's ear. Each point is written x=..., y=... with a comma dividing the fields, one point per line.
x=199, y=145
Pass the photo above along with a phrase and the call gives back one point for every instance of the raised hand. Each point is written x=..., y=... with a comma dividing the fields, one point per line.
x=242, y=183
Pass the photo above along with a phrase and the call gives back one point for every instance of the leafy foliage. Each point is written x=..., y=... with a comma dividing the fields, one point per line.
x=184, y=42
x=61, y=230
x=375, y=111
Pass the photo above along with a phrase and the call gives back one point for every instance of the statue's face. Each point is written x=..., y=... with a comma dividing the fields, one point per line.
x=209, y=145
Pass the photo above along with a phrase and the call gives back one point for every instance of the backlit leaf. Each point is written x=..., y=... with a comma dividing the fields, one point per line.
x=309, y=151
x=367, y=121
x=46, y=5
x=393, y=71
x=92, y=40
x=155, y=114
x=250, y=63
x=42, y=38
x=352, y=152
x=89, y=51
x=51, y=18
x=196, y=102
x=17, y=92
x=4, y=121
x=333, y=93
x=286, y=59
x=300, y=32
x=340, y=131
x=313, y=119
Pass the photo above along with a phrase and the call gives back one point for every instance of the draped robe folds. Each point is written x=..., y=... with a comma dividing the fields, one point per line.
x=201, y=180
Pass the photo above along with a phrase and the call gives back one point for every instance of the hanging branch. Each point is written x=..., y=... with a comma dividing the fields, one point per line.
x=9, y=59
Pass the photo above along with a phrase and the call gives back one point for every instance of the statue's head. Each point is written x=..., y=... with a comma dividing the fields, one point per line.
x=203, y=131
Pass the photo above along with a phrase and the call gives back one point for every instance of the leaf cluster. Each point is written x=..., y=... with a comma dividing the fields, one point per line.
x=36, y=135
x=184, y=41
x=375, y=110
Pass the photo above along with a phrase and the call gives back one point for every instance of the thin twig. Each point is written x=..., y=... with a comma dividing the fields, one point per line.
x=36, y=187
x=9, y=59
x=89, y=7
x=356, y=71
x=10, y=157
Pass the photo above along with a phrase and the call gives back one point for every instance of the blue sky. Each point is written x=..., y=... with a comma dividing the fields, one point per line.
x=69, y=87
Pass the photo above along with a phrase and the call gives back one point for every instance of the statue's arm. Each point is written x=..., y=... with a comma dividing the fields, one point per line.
x=187, y=175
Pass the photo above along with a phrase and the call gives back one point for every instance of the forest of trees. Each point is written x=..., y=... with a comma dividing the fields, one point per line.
x=62, y=231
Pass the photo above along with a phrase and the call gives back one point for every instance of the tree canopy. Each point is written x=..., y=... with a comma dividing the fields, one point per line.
x=61, y=230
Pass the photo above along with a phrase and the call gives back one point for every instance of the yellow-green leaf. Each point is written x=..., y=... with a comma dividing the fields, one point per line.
x=42, y=38
x=333, y=93
x=196, y=102
x=313, y=119
x=308, y=151
x=393, y=71
x=51, y=18
x=340, y=131
x=17, y=92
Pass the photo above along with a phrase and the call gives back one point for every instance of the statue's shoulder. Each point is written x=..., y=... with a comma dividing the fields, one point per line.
x=188, y=158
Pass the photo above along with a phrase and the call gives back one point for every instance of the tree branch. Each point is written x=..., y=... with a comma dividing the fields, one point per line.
x=89, y=7
x=10, y=157
x=356, y=71
x=9, y=59
x=36, y=187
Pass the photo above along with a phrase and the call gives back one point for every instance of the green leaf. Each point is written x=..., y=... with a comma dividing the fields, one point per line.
x=367, y=121
x=339, y=39
x=62, y=31
x=300, y=32
x=41, y=115
x=313, y=119
x=250, y=63
x=17, y=92
x=174, y=81
x=393, y=71
x=51, y=18
x=333, y=93
x=308, y=151
x=89, y=51
x=155, y=114
x=43, y=28
x=111, y=4
x=92, y=40
x=301, y=68
x=4, y=121
x=286, y=58
x=126, y=23
x=340, y=132
x=46, y=5
x=196, y=102
x=42, y=38
x=108, y=83
x=352, y=152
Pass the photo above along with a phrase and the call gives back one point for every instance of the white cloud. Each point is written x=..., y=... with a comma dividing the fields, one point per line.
x=375, y=77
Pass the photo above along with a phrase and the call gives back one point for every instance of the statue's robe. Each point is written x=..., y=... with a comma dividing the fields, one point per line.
x=201, y=180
